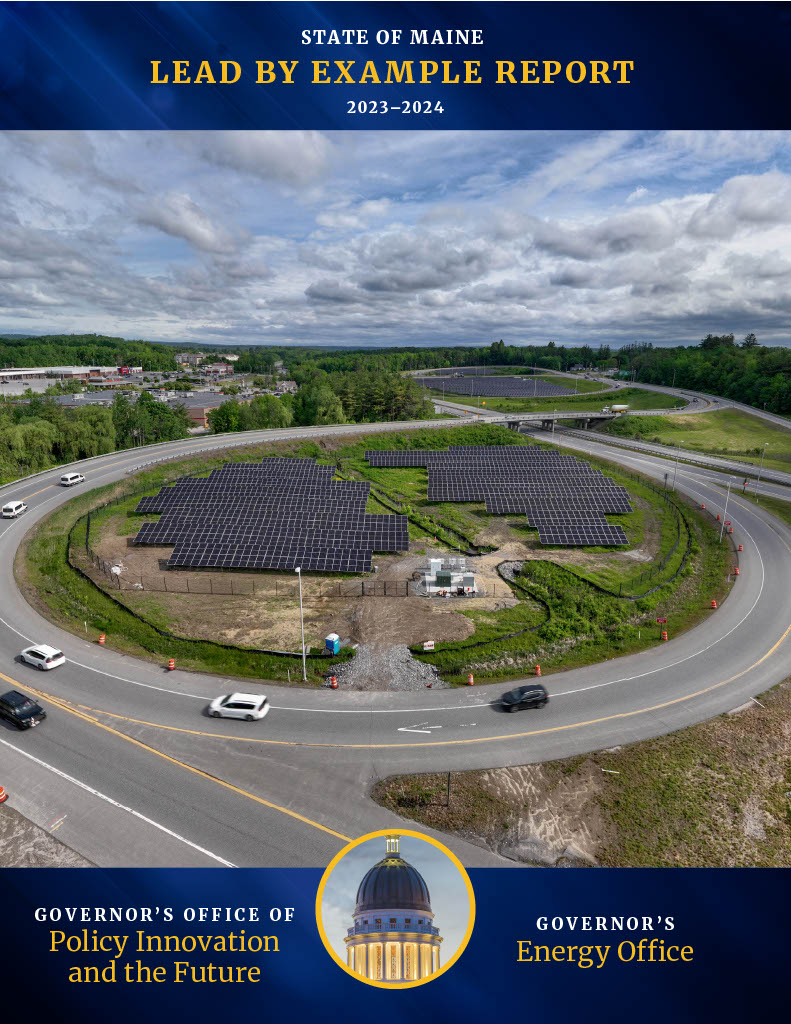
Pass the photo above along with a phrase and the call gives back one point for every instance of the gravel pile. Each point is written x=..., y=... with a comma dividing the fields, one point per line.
x=510, y=570
x=385, y=667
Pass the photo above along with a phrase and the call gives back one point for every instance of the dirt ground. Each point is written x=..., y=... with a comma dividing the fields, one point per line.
x=25, y=845
x=270, y=620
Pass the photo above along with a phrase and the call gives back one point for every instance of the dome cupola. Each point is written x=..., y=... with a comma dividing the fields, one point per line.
x=392, y=882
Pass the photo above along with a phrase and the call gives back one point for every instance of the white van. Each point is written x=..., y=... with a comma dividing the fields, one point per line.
x=14, y=509
x=70, y=479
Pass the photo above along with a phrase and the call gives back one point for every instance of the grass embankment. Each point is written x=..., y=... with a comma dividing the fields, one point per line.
x=728, y=432
x=587, y=626
x=713, y=795
x=635, y=398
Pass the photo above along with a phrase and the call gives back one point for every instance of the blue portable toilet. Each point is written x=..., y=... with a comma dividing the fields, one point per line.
x=333, y=643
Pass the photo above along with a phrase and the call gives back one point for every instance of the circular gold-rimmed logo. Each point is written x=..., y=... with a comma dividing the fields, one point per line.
x=401, y=952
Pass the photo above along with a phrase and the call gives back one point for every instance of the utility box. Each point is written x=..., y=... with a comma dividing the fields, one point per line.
x=332, y=643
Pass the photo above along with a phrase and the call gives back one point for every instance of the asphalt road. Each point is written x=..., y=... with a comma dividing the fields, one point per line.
x=130, y=771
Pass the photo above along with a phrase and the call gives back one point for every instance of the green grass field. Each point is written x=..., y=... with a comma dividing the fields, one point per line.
x=728, y=432
x=635, y=398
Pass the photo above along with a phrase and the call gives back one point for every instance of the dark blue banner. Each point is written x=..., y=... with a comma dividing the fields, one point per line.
x=394, y=65
x=558, y=945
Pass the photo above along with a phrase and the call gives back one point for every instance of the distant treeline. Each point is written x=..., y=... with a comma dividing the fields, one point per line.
x=744, y=372
x=83, y=350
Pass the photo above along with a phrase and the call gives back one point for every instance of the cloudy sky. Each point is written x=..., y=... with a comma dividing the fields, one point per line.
x=395, y=238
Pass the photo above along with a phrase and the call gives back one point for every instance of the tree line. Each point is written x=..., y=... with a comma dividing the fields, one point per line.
x=40, y=433
x=84, y=350
x=323, y=398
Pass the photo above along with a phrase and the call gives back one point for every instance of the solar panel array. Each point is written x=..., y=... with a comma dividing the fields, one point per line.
x=274, y=514
x=496, y=387
x=564, y=498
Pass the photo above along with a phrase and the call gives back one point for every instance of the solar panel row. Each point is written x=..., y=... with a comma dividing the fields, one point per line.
x=561, y=496
x=277, y=514
x=496, y=387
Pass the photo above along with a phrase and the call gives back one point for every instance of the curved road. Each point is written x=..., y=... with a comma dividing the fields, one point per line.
x=128, y=769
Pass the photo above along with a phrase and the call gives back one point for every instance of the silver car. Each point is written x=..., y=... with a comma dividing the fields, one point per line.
x=249, y=706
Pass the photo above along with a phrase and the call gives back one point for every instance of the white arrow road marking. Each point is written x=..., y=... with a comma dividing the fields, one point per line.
x=417, y=728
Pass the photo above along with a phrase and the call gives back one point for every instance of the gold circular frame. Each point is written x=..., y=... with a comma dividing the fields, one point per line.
x=376, y=835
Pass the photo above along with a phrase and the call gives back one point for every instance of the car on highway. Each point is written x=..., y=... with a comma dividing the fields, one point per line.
x=43, y=656
x=70, y=479
x=20, y=710
x=249, y=706
x=534, y=695
x=14, y=509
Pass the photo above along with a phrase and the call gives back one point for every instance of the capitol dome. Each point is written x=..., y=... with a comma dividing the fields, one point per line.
x=393, y=882
x=393, y=938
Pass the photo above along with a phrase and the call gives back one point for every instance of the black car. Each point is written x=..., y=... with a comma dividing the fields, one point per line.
x=534, y=695
x=21, y=710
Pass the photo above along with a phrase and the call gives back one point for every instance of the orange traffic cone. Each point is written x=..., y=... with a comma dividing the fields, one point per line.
x=470, y=679
x=664, y=634
x=333, y=682
x=538, y=670
x=3, y=795
x=736, y=571
x=101, y=639
x=741, y=548
x=171, y=664
x=713, y=603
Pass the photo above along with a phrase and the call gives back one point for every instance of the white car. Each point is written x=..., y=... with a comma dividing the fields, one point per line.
x=249, y=706
x=14, y=509
x=43, y=657
x=70, y=479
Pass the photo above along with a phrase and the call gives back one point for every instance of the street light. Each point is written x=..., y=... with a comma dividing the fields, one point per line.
x=298, y=571
x=675, y=468
x=757, y=495
x=725, y=510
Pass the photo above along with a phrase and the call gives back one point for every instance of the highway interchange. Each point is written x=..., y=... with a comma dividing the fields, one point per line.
x=129, y=770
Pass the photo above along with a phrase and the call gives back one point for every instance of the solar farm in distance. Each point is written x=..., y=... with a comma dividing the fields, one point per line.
x=496, y=387
x=276, y=514
x=563, y=498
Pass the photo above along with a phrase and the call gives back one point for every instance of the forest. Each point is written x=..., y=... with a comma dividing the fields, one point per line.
x=84, y=350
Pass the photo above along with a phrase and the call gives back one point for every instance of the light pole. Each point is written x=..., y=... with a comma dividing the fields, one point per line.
x=725, y=511
x=554, y=413
x=298, y=571
x=760, y=468
x=675, y=468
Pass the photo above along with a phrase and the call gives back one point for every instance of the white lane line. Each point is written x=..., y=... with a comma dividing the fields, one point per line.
x=115, y=803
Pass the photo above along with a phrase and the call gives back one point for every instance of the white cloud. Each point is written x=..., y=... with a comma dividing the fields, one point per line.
x=397, y=237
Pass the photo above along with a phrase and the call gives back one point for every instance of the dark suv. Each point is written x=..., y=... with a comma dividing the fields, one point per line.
x=534, y=695
x=21, y=710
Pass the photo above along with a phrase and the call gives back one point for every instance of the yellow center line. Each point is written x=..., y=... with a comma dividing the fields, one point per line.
x=29, y=496
x=386, y=746
x=48, y=698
